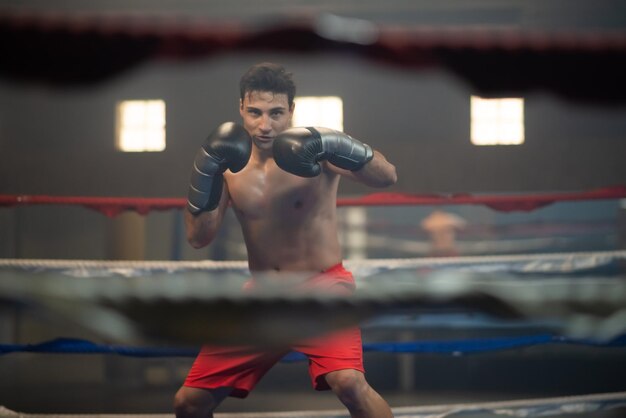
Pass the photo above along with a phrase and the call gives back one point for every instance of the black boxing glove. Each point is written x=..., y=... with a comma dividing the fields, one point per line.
x=299, y=150
x=227, y=147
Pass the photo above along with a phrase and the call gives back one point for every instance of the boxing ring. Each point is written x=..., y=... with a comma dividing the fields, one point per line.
x=453, y=307
x=552, y=288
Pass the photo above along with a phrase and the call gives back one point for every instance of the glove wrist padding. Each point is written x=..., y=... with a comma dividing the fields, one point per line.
x=299, y=150
x=227, y=147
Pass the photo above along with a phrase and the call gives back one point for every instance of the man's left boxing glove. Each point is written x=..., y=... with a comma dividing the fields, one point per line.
x=227, y=147
x=299, y=150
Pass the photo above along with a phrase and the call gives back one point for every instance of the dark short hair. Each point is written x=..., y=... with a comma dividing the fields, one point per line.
x=268, y=76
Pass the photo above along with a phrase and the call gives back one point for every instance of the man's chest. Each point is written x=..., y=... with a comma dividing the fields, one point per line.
x=258, y=193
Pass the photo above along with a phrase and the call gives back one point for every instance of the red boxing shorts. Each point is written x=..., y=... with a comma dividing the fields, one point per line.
x=241, y=368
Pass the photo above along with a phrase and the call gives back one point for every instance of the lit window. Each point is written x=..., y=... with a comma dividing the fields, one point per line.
x=325, y=112
x=140, y=125
x=497, y=121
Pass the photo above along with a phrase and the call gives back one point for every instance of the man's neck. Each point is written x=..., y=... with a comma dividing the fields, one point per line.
x=262, y=156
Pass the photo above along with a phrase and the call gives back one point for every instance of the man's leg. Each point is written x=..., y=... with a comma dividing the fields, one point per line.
x=357, y=395
x=198, y=403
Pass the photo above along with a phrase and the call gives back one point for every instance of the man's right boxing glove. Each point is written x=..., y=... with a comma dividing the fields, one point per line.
x=227, y=147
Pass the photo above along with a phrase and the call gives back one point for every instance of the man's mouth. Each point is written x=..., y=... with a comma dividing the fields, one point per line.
x=264, y=138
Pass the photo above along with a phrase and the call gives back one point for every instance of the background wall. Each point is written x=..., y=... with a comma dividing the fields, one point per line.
x=61, y=140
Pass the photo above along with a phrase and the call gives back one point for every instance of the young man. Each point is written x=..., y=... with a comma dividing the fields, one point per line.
x=282, y=184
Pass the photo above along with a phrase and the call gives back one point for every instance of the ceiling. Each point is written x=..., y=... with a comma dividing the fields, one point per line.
x=574, y=48
x=526, y=14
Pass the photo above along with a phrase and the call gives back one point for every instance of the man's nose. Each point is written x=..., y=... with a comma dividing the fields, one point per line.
x=266, y=123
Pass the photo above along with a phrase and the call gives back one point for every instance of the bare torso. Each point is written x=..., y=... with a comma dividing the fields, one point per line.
x=288, y=222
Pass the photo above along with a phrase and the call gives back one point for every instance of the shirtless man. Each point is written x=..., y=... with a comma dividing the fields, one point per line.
x=282, y=184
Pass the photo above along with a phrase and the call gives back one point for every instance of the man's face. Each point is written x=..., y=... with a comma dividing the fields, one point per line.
x=265, y=115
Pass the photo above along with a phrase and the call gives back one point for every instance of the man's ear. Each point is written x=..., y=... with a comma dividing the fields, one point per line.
x=291, y=109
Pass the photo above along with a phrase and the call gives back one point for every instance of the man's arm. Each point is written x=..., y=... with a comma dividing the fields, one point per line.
x=378, y=172
x=227, y=148
x=202, y=227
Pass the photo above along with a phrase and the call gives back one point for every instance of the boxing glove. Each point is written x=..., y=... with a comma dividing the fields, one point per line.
x=299, y=150
x=227, y=147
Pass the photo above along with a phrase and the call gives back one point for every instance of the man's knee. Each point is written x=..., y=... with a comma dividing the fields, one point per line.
x=193, y=402
x=349, y=385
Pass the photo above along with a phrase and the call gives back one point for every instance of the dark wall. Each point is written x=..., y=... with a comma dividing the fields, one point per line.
x=61, y=141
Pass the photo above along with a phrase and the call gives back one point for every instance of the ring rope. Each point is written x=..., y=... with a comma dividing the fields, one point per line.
x=586, y=293
x=112, y=206
x=451, y=347
x=545, y=263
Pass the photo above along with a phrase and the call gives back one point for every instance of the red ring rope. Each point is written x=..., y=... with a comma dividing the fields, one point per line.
x=112, y=206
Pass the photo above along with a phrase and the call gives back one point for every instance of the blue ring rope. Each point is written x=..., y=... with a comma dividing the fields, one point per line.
x=452, y=347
